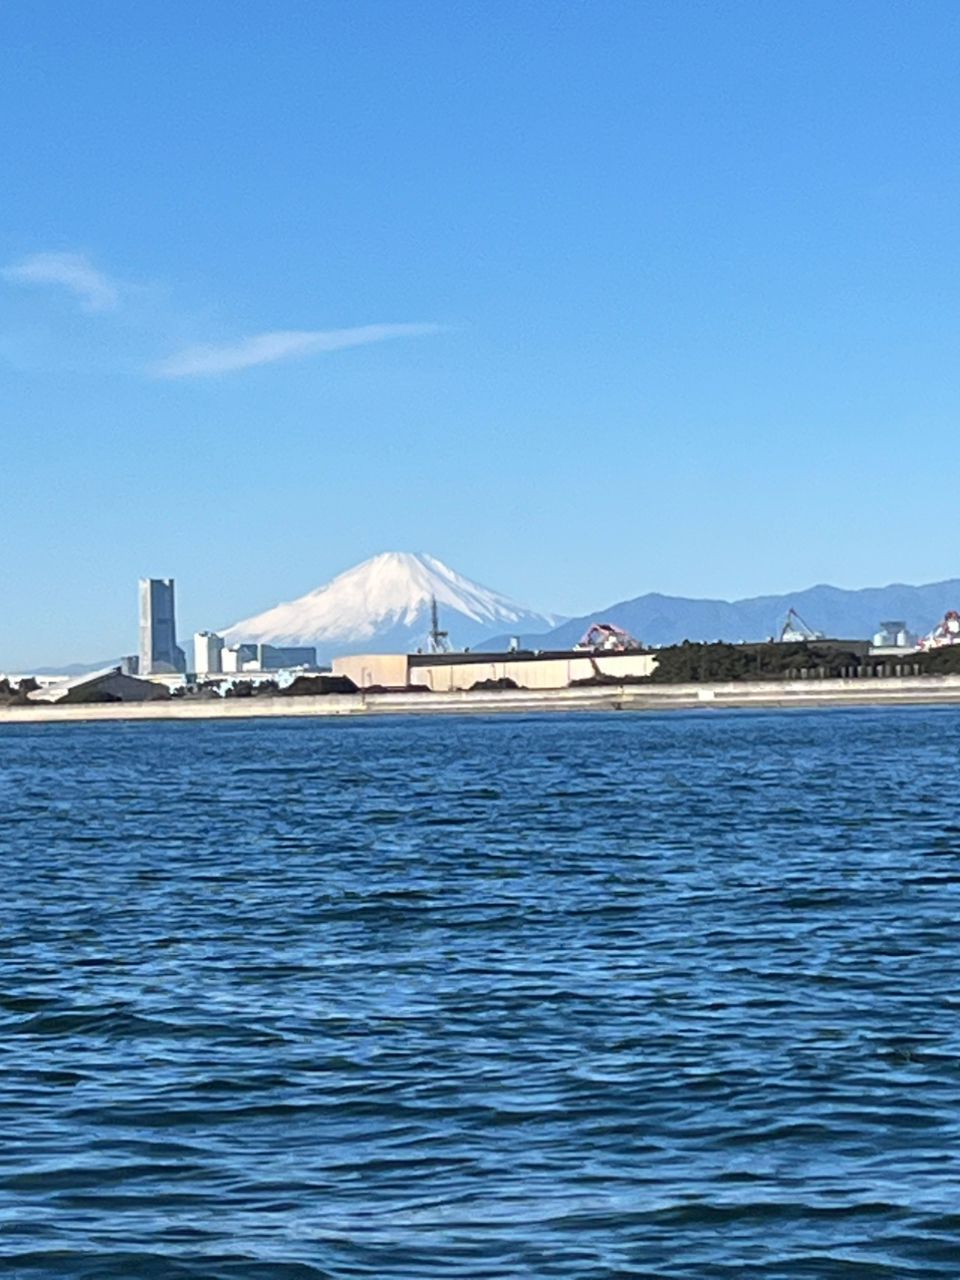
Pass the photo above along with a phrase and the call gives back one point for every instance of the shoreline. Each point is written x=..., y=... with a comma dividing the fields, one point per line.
x=890, y=691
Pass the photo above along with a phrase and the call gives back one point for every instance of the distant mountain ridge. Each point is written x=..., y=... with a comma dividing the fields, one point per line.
x=657, y=619
x=384, y=605
x=76, y=668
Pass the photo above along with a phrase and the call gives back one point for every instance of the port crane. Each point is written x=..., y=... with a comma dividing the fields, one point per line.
x=605, y=636
x=795, y=629
x=944, y=633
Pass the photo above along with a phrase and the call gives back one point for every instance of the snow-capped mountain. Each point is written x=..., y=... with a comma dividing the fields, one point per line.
x=383, y=605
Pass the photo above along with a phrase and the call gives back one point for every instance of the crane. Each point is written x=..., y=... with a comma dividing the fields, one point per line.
x=604, y=635
x=795, y=629
x=944, y=633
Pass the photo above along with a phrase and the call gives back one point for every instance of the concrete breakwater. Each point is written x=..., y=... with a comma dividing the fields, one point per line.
x=906, y=690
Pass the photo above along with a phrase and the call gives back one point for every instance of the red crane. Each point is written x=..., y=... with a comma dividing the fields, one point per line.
x=604, y=635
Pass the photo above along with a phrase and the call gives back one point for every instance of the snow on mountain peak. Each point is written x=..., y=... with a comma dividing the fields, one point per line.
x=385, y=602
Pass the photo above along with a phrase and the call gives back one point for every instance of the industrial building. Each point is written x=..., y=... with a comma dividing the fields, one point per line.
x=212, y=657
x=159, y=651
x=108, y=685
x=894, y=638
x=272, y=657
x=266, y=657
x=444, y=672
x=238, y=657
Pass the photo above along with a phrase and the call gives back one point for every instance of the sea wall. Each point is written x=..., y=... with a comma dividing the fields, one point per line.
x=908, y=690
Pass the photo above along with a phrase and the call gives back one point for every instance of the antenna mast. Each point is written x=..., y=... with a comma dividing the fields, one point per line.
x=439, y=640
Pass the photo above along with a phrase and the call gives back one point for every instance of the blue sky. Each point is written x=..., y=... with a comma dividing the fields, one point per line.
x=586, y=299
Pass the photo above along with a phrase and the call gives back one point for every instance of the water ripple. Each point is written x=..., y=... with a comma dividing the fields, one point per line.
x=650, y=996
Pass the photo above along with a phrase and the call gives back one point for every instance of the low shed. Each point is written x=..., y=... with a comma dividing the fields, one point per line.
x=109, y=685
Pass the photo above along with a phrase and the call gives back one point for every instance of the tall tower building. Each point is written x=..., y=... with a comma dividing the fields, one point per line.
x=159, y=652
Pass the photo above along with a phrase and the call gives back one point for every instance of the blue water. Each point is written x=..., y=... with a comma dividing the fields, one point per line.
x=592, y=996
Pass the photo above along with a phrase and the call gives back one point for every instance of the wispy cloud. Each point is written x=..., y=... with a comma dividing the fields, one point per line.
x=73, y=271
x=281, y=344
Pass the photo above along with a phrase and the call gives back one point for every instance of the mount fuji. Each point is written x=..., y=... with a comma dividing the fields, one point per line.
x=383, y=605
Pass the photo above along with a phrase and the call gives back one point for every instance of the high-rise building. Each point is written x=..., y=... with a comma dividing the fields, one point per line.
x=159, y=652
x=207, y=653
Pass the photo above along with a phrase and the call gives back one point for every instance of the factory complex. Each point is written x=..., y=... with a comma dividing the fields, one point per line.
x=446, y=672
